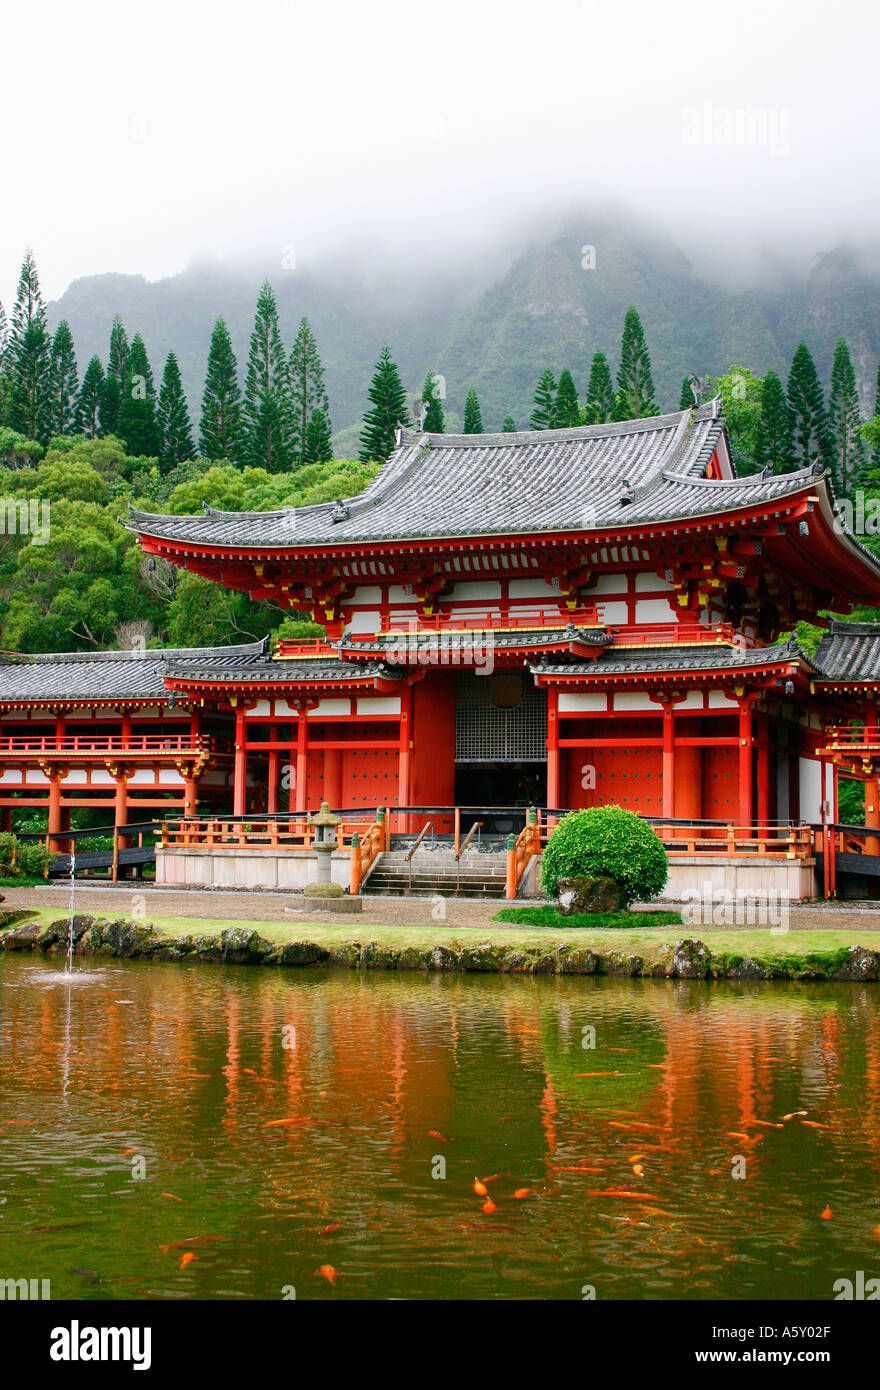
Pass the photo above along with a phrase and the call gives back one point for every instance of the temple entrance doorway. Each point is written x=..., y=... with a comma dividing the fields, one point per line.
x=500, y=747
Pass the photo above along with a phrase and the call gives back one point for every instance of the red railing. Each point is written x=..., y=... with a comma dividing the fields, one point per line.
x=844, y=738
x=289, y=650
x=100, y=746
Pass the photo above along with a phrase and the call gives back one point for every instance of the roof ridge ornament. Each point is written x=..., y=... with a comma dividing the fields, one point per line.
x=699, y=385
x=339, y=511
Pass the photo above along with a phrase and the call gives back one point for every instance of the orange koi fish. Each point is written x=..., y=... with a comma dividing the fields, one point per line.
x=794, y=1114
x=622, y=1192
x=637, y=1158
x=814, y=1124
x=334, y=1226
x=171, y=1197
x=768, y=1124
x=187, y=1259
x=638, y=1170
x=489, y=1206
x=597, y=1073
x=328, y=1272
x=435, y=1134
x=632, y=1124
x=294, y=1120
x=577, y=1170
x=480, y=1188
x=190, y=1240
x=522, y=1192
x=826, y=1214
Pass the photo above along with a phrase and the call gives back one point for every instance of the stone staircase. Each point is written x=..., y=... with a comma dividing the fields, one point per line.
x=434, y=873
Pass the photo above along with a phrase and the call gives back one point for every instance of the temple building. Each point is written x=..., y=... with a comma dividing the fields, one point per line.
x=557, y=618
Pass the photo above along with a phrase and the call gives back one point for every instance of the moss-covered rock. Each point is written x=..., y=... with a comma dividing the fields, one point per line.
x=303, y=953
x=745, y=968
x=442, y=958
x=21, y=938
x=243, y=946
x=860, y=964
x=130, y=938
x=621, y=963
x=347, y=956
x=482, y=957
x=412, y=958
x=576, y=960
x=691, y=959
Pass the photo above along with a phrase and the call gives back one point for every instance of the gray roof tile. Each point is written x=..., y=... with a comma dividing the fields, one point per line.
x=135, y=675
x=592, y=477
x=850, y=652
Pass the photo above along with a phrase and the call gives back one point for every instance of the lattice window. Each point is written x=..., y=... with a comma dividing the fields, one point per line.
x=487, y=734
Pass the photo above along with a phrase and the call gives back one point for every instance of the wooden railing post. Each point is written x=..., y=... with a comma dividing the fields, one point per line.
x=355, y=881
x=510, y=889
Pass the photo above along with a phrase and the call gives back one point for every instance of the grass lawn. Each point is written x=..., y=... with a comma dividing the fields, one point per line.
x=647, y=941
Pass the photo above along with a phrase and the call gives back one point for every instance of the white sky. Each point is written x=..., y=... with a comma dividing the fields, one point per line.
x=138, y=137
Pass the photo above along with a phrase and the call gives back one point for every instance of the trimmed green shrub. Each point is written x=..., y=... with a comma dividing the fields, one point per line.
x=606, y=842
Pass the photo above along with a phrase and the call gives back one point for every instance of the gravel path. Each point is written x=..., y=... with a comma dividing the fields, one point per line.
x=391, y=912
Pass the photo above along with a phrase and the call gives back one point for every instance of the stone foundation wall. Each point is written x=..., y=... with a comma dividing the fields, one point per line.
x=248, y=867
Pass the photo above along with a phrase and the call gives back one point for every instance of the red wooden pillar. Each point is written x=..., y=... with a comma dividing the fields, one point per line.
x=745, y=761
x=872, y=788
x=553, y=792
x=302, y=761
x=120, y=807
x=239, y=789
x=54, y=811
x=126, y=728
x=60, y=726
x=669, y=761
x=190, y=795
x=195, y=725
x=405, y=750
x=763, y=775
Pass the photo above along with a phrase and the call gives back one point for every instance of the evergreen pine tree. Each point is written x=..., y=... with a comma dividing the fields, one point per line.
x=172, y=418
x=845, y=422
x=635, y=385
x=544, y=413
x=29, y=358
x=63, y=382
x=117, y=361
x=388, y=410
x=221, y=428
x=433, y=422
x=567, y=409
x=88, y=402
x=509, y=426
x=307, y=391
x=686, y=399
x=473, y=420
x=266, y=394
x=599, y=407
x=137, y=426
x=806, y=407
x=108, y=409
x=319, y=442
x=5, y=384
x=774, y=446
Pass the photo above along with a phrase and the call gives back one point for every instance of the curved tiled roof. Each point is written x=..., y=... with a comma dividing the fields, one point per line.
x=120, y=675
x=702, y=657
x=850, y=652
x=438, y=485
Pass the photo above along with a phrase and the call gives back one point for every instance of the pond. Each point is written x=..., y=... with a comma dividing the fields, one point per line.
x=212, y=1132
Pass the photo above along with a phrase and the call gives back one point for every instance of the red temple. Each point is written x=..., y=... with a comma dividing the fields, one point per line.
x=554, y=619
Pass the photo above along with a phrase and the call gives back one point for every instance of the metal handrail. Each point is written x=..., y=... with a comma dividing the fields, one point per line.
x=477, y=825
x=408, y=857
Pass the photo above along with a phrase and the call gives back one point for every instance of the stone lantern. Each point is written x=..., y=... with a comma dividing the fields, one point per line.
x=324, y=843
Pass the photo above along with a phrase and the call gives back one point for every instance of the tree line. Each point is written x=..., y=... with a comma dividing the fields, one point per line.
x=281, y=420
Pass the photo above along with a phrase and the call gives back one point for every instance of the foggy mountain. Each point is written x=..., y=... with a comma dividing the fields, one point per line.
x=495, y=322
